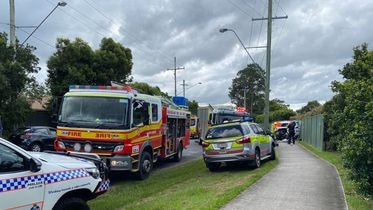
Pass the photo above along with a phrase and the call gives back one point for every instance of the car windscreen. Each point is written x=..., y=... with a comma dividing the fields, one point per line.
x=224, y=132
x=107, y=112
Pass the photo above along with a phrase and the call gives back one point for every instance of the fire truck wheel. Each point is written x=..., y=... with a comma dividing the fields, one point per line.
x=179, y=155
x=145, y=166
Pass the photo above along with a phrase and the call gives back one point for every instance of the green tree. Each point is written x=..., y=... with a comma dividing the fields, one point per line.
x=310, y=105
x=193, y=107
x=349, y=117
x=250, y=79
x=16, y=66
x=145, y=88
x=278, y=110
x=75, y=62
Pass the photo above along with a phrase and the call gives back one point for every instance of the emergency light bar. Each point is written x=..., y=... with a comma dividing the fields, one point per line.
x=101, y=87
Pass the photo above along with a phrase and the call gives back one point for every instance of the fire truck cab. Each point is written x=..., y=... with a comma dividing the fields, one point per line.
x=129, y=130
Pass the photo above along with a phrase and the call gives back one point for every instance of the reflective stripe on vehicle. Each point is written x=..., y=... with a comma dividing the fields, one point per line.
x=19, y=183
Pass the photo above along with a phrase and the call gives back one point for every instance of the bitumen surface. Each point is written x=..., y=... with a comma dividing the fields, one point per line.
x=300, y=181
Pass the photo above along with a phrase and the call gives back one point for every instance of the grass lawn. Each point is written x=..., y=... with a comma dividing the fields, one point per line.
x=354, y=200
x=186, y=186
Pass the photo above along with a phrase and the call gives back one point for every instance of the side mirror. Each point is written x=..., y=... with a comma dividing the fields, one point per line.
x=35, y=165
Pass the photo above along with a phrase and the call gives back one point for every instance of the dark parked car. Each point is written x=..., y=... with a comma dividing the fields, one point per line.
x=34, y=138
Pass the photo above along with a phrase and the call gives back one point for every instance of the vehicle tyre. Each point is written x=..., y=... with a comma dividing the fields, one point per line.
x=273, y=153
x=179, y=155
x=213, y=166
x=36, y=147
x=145, y=166
x=71, y=203
x=257, y=162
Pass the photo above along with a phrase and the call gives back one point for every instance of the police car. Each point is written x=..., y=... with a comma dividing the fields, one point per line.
x=32, y=180
x=237, y=142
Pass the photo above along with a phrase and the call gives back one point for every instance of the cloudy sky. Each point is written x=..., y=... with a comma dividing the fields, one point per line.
x=308, y=48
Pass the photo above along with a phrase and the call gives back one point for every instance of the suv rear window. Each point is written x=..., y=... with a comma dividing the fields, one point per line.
x=224, y=132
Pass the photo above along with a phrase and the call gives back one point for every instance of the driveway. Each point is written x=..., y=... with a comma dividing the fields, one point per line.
x=300, y=181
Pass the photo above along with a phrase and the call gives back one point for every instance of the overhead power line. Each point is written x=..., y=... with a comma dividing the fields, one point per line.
x=142, y=53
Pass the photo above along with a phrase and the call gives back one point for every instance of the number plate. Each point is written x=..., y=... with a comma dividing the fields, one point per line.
x=222, y=145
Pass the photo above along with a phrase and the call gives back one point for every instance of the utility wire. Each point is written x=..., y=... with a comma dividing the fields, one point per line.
x=167, y=57
x=101, y=34
x=239, y=8
x=42, y=41
x=250, y=6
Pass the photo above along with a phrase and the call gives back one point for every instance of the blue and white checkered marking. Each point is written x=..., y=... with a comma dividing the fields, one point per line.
x=104, y=186
x=50, y=178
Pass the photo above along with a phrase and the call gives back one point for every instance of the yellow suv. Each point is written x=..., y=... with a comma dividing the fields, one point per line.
x=236, y=142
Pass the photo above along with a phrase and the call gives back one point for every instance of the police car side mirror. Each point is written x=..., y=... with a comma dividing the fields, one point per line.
x=35, y=165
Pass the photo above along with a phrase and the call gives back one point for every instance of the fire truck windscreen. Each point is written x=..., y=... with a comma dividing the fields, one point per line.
x=94, y=111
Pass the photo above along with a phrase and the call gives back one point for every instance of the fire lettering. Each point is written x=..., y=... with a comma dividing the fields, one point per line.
x=103, y=135
x=75, y=134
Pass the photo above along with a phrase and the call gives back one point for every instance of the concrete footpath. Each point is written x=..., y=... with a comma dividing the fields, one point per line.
x=300, y=181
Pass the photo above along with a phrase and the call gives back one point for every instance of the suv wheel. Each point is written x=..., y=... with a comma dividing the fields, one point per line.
x=72, y=203
x=273, y=153
x=256, y=163
x=36, y=147
x=213, y=166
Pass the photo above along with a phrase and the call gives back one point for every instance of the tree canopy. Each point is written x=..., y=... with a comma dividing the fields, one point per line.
x=250, y=79
x=308, y=107
x=145, y=88
x=349, y=117
x=17, y=85
x=74, y=62
x=278, y=110
x=193, y=107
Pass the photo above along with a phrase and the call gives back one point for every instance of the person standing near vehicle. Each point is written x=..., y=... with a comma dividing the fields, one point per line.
x=291, y=130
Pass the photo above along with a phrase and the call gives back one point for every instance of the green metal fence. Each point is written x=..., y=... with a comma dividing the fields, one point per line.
x=312, y=131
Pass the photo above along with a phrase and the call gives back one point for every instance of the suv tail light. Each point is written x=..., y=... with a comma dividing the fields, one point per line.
x=244, y=140
x=205, y=144
x=26, y=136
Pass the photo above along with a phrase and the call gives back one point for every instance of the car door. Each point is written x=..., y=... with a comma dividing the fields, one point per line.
x=19, y=187
x=265, y=148
x=51, y=138
x=255, y=136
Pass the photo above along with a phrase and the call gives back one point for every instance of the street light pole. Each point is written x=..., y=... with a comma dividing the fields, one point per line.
x=222, y=30
x=12, y=33
x=268, y=67
x=62, y=4
x=244, y=96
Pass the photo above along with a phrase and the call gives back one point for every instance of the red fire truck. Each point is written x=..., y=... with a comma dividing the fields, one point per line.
x=129, y=130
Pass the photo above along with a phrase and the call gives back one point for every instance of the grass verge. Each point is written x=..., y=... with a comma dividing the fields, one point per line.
x=354, y=199
x=187, y=186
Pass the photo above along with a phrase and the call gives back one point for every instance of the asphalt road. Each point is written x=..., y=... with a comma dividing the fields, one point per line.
x=192, y=152
x=300, y=181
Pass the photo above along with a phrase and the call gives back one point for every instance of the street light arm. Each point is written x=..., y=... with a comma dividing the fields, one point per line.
x=62, y=4
x=222, y=30
x=242, y=44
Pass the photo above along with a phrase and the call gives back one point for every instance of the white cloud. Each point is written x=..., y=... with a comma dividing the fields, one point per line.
x=308, y=48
